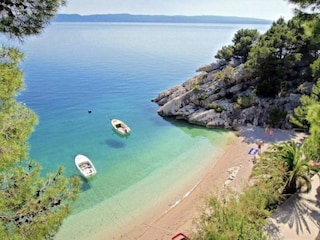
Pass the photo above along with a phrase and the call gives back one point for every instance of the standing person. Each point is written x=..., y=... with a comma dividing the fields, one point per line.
x=260, y=143
x=271, y=132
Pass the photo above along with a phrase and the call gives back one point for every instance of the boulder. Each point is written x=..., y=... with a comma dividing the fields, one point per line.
x=207, y=101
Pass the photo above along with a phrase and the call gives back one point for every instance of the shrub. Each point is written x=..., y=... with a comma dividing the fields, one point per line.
x=236, y=106
x=215, y=106
x=244, y=215
x=234, y=216
x=276, y=116
x=196, y=87
x=267, y=89
x=219, y=109
x=202, y=96
x=225, y=53
x=246, y=101
x=217, y=90
x=225, y=75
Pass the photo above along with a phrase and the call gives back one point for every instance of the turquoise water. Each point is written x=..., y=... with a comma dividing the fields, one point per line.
x=115, y=70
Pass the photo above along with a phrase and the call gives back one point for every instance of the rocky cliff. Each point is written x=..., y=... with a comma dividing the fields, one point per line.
x=222, y=95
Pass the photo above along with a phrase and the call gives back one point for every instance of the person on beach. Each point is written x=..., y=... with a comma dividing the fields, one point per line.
x=260, y=144
x=271, y=132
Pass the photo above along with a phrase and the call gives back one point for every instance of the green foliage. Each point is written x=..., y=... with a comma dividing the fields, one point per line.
x=307, y=115
x=246, y=101
x=313, y=142
x=276, y=116
x=292, y=157
x=301, y=113
x=211, y=106
x=267, y=88
x=315, y=67
x=17, y=125
x=24, y=18
x=216, y=107
x=217, y=90
x=269, y=177
x=310, y=4
x=280, y=170
x=225, y=53
x=233, y=216
x=33, y=207
x=243, y=40
x=16, y=120
x=274, y=59
x=284, y=53
x=225, y=75
x=236, y=106
x=202, y=96
x=10, y=74
x=196, y=85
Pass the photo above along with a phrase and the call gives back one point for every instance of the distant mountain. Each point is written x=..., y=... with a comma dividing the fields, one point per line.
x=156, y=18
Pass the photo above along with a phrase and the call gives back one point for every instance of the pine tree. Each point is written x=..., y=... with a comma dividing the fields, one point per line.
x=24, y=18
x=31, y=206
x=243, y=41
x=312, y=5
x=276, y=57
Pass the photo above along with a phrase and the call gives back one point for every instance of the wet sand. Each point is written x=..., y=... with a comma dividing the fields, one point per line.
x=232, y=169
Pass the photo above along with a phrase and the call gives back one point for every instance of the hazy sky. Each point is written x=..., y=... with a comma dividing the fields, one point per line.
x=266, y=9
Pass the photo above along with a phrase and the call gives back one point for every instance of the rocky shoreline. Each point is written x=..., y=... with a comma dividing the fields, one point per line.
x=222, y=96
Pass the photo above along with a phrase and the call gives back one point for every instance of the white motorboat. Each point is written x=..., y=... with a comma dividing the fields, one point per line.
x=85, y=166
x=120, y=126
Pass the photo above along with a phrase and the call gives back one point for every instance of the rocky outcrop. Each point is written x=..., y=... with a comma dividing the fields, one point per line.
x=221, y=96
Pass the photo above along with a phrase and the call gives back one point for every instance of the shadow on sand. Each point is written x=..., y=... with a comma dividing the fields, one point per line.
x=254, y=134
x=300, y=213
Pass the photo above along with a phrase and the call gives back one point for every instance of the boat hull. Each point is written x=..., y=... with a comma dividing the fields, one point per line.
x=120, y=127
x=85, y=166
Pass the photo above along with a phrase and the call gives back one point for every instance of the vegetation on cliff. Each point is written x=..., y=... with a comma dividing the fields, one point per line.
x=279, y=62
x=286, y=56
x=257, y=80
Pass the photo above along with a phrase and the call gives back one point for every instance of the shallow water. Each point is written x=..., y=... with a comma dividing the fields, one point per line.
x=115, y=70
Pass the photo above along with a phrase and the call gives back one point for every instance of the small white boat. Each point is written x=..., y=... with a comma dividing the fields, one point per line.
x=120, y=126
x=85, y=166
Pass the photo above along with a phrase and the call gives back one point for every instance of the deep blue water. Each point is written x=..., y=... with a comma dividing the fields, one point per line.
x=115, y=70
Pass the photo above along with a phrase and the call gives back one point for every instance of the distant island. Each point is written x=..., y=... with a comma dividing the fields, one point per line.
x=156, y=19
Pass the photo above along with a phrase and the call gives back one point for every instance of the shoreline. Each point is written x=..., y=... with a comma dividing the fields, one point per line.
x=135, y=226
x=231, y=169
x=173, y=176
x=181, y=218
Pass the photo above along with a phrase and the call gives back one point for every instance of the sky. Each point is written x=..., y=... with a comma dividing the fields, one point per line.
x=264, y=9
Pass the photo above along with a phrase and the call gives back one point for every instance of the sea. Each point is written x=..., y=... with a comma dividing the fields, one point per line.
x=81, y=75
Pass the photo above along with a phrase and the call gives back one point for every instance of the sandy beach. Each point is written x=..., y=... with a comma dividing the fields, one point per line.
x=232, y=169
